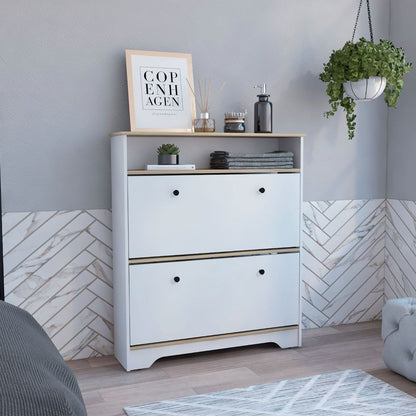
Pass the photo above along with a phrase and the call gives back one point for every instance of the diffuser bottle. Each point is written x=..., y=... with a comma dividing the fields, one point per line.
x=263, y=112
x=204, y=123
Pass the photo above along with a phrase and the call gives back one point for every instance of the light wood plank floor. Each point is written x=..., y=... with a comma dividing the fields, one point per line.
x=107, y=388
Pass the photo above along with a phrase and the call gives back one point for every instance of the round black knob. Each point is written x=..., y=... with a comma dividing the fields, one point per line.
x=176, y=192
x=262, y=190
x=261, y=271
x=177, y=279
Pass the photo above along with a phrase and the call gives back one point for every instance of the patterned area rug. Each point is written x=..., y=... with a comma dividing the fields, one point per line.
x=345, y=393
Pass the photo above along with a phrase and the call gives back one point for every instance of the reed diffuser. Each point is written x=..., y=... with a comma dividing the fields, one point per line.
x=205, y=102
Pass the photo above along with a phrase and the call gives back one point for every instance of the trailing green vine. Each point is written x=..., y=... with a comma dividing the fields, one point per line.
x=360, y=60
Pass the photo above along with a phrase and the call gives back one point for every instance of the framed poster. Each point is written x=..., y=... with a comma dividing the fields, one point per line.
x=160, y=98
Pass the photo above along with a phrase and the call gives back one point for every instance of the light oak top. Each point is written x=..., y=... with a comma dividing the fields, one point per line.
x=185, y=134
x=213, y=337
x=224, y=254
x=207, y=171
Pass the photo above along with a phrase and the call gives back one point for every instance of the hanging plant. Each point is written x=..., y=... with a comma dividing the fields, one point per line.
x=362, y=60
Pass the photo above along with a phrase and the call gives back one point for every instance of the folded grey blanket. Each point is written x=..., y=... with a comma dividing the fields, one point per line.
x=34, y=378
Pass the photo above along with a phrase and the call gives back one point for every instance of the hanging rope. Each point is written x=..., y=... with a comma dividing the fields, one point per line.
x=370, y=25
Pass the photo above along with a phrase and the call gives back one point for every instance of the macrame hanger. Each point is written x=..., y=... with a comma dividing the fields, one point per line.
x=370, y=25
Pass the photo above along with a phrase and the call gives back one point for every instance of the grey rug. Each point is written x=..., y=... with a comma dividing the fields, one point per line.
x=345, y=393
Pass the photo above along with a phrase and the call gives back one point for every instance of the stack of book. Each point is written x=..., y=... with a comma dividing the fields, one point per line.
x=273, y=160
x=170, y=167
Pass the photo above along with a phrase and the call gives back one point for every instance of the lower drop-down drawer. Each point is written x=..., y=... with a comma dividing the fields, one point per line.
x=186, y=299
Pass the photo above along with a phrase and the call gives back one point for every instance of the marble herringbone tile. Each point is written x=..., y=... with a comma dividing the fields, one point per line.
x=343, y=261
x=400, y=249
x=58, y=267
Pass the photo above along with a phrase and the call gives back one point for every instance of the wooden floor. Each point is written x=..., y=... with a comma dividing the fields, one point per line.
x=107, y=388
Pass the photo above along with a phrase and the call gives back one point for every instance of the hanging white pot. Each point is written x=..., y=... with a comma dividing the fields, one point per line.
x=365, y=89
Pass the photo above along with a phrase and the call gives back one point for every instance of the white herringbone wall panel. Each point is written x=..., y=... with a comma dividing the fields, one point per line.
x=343, y=261
x=400, y=279
x=58, y=266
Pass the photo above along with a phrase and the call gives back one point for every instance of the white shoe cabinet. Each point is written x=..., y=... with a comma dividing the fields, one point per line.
x=203, y=259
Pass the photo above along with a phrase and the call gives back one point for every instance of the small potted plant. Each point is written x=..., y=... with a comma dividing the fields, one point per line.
x=168, y=154
x=348, y=67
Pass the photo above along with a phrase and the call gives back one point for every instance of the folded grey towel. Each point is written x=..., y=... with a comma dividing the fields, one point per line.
x=248, y=166
x=255, y=159
x=277, y=153
x=251, y=167
x=250, y=163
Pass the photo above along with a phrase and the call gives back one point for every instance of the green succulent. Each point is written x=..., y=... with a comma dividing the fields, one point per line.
x=168, y=149
x=360, y=60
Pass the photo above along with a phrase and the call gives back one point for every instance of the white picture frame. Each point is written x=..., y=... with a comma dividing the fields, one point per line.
x=160, y=99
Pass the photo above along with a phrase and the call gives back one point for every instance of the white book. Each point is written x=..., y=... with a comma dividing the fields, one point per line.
x=170, y=167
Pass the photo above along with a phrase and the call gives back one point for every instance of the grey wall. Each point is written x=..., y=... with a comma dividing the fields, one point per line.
x=63, y=87
x=402, y=124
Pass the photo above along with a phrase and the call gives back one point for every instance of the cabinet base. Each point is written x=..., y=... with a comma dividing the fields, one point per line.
x=144, y=357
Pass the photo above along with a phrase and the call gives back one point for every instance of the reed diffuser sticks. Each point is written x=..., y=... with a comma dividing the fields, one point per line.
x=205, y=102
x=203, y=98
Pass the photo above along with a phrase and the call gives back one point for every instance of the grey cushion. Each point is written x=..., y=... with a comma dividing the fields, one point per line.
x=34, y=379
x=399, y=336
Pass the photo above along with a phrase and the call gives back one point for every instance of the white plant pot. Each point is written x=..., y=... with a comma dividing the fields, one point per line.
x=365, y=89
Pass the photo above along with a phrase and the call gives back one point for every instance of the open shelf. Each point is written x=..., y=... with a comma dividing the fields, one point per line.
x=195, y=148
